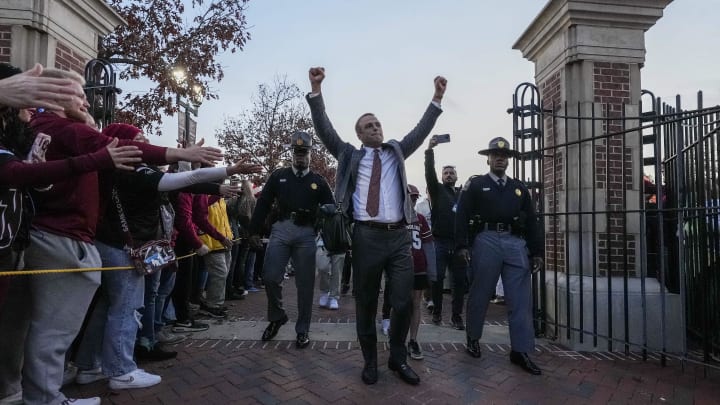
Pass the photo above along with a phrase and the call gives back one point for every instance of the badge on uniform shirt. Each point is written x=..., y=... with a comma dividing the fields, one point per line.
x=518, y=192
x=313, y=186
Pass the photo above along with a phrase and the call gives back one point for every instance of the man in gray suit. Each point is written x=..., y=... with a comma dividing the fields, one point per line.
x=371, y=187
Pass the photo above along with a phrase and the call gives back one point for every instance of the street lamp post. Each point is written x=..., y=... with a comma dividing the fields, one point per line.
x=190, y=106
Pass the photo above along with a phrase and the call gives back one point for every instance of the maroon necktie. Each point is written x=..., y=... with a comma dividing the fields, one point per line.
x=373, y=198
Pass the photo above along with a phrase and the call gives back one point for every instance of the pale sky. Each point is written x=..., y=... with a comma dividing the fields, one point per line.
x=381, y=57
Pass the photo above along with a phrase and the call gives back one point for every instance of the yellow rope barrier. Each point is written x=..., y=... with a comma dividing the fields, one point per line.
x=84, y=269
x=77, y=270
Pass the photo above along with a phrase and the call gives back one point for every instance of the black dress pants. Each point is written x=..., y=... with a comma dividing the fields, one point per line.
x=374, y=251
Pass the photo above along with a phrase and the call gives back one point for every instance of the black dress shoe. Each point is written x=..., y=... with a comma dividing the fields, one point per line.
x=405, y=373
x=457, y=322
x=302, y=341
x=437, y=319
x=523, y=360
x=369, y=373
x=473, y=347
x=273, y=328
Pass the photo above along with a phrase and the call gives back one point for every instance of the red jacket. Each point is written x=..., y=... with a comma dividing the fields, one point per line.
x=70, y=208
x=186, y=230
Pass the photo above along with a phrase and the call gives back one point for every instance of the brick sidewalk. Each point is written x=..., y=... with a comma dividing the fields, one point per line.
x=250, y=371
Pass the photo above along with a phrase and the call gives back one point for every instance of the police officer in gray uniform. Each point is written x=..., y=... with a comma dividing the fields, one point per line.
x=496, y=220
x=298, y=192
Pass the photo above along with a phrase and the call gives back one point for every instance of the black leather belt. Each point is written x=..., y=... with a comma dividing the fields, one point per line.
x=382, y=225
x=497, y=227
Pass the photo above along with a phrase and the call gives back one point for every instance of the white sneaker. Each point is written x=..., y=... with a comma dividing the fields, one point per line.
x=89, y=376
x=430, y=305
x=82, y=401
x=385, y=327
x=169, y=338
x=14, y=399
x=334, y=304
x=323, y=303
x=134, y=379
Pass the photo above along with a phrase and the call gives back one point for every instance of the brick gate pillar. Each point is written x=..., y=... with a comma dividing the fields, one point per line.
x=588, y=55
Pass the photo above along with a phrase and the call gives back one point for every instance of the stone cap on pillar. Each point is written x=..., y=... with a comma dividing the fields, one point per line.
x=602, y=30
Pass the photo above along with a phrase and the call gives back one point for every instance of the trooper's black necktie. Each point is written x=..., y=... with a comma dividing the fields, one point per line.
x=501, y=183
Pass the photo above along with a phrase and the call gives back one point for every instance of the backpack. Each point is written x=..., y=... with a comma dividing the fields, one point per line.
x=16, y=212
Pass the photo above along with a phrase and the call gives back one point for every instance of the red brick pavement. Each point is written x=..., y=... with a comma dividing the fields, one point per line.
x=249, y=372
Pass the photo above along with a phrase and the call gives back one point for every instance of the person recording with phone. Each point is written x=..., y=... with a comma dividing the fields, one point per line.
x=496, y=219
x=443, y=198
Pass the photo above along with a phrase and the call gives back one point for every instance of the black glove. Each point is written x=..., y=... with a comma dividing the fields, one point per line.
x=255, y=242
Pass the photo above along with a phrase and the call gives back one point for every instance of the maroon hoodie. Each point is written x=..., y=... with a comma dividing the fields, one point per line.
x=70, y=208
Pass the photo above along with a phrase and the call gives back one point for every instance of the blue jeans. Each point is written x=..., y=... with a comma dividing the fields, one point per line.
x=250, y=269
x=146, y=335
x=167, y=283
x=109, y=338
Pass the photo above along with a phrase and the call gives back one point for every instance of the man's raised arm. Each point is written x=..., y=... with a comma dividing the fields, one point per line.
x=323, y=127
x=416, y=137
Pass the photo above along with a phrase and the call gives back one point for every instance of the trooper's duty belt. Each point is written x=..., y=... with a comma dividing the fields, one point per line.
x=496, y=227
x=299, y=217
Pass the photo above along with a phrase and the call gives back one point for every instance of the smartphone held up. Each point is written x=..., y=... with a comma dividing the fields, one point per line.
x=442, y=138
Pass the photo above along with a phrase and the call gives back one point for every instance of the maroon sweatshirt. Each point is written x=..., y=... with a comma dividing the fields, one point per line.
x=70, y=208
x=187, y=234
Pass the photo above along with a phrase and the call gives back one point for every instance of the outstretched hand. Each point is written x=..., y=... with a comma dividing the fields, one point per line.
x=28, y=90
x=440, y=86
x=202, y=154
x=229, y=191
x=124, y=157
x=316, y=75
x=244, y=168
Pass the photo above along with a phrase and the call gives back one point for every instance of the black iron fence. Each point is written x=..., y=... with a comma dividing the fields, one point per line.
x=629, y=196
x=100, y=91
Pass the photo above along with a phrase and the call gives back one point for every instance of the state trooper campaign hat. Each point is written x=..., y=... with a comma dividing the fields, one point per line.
x=500, y=144
x=301, y=140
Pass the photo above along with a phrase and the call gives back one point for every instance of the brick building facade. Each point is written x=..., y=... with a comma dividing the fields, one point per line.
x=62, y=34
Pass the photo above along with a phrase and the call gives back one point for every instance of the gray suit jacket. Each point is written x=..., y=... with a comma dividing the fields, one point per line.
x=349, y=156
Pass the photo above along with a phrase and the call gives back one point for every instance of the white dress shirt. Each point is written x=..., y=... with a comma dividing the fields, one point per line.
x=391, y=192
